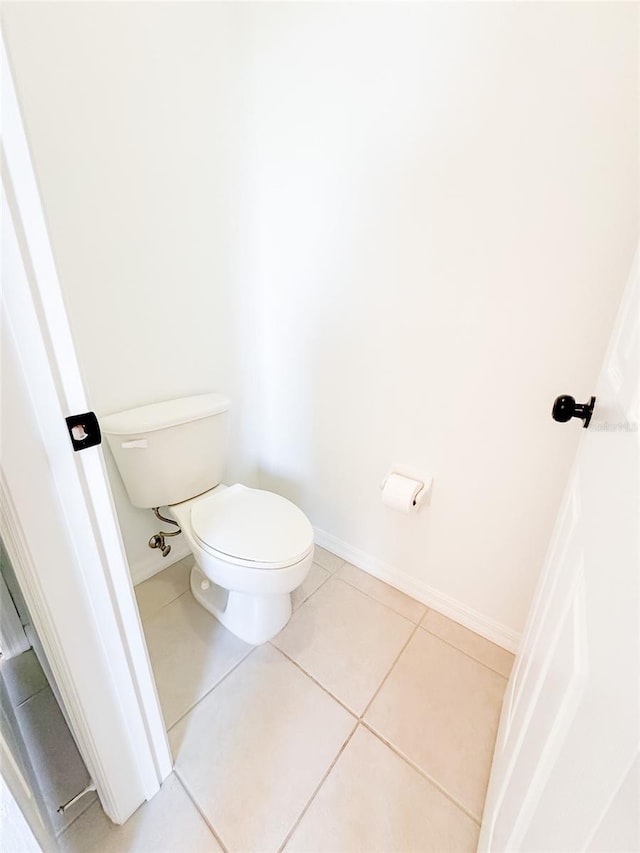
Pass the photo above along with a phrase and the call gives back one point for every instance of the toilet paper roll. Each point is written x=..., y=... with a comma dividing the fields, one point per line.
x=400, y=493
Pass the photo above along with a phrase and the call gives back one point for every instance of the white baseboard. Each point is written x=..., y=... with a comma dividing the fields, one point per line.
x=440, y=601
x=155, y=562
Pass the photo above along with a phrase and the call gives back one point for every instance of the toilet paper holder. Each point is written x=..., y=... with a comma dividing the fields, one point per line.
x=423, y=496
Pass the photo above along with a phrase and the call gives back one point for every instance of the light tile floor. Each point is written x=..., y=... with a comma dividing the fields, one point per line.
x=35, y=721
x=367, y=724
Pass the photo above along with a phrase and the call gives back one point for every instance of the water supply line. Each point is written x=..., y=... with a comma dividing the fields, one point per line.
x=157, y=541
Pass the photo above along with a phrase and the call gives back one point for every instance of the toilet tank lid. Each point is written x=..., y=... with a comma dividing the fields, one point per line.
x=163, y=415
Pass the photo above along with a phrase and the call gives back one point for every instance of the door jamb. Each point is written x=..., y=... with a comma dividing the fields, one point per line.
x=106, y=590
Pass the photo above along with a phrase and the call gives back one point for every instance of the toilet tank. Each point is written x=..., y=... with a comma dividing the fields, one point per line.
x=169, y=452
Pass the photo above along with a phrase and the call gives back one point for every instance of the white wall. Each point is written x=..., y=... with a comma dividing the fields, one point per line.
x=391, y=232
x=134, y=116
x=448, y=201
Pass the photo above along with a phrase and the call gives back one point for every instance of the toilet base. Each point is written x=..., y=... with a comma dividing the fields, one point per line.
x=253, y=618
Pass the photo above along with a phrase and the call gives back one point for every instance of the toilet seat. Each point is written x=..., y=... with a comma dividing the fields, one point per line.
x=251, y=527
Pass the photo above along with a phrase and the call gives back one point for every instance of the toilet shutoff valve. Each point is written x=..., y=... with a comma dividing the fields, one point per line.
x=157, y=540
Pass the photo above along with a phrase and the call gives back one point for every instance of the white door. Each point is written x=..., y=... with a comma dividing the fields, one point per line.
x=57, y=518
x=565, y=771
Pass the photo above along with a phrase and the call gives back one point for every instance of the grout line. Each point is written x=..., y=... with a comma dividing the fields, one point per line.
x=359, y=718
x=28, y=699
x=351, y=712
x=371, y=598
x=384, y=604
x=420, y=620
x=208, y=823
x=422, y=772
x=154, y=613
x=462, y=651
x=211, y=689
x=331, y=571
x=317, y=789
x=374, y=732
x=96, y=800
x=389, y=671
x=313, y=592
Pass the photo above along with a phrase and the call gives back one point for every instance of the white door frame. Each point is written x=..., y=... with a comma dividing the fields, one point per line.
x=13, y=640
x=85, y=614
x=22, y=826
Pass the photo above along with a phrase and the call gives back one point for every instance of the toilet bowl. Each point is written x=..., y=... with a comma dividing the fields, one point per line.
x=252, y=548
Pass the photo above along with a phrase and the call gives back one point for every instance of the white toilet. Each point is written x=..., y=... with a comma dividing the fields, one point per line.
x=252, y=548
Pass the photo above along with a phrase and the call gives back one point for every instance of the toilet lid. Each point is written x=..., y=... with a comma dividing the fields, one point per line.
x=252, y=525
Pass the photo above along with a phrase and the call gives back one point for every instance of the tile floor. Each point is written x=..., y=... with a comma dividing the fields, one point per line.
x=367, y=724
x=41, y=738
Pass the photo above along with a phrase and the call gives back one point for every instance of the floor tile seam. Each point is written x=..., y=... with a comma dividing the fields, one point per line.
x=196, y=806
x=371, y=598
x=320, y=566
x=319, y=786
x=96, y=800
x=313, y=592
x=162, y=606
x=58, y=833
x=33, y=695
x=431, y=779
x=388, y=606
x=315, y=681
x=462, y=651
x=389, y=671
x=211, y=689
x=150, y=616
x=331, y=571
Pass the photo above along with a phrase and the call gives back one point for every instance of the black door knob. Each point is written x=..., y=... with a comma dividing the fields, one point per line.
x=565, y=408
